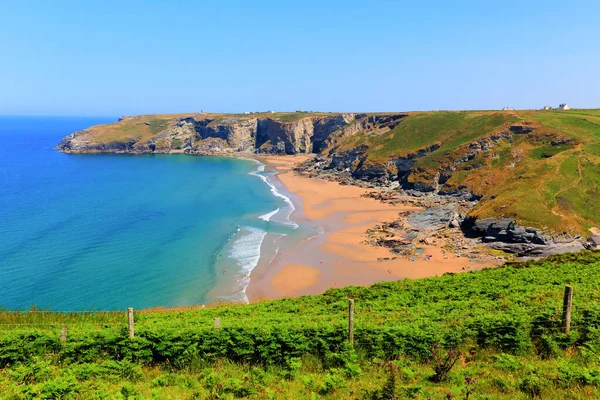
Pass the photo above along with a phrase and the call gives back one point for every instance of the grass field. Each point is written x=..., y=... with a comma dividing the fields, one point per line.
x=506, y=323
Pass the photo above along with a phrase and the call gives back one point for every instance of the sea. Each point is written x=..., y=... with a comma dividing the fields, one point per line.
x=111, y=231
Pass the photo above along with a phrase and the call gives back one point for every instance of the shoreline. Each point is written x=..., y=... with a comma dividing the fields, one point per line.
x=340, y=255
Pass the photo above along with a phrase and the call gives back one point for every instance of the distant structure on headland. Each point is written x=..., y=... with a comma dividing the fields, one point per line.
x=563, y=106
x=508, y=109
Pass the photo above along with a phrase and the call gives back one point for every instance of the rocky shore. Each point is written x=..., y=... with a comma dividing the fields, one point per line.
x=445, y=216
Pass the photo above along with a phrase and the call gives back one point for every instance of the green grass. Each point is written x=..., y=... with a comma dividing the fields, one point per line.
x=506, y=321
x=418, y=131
x=158, y=125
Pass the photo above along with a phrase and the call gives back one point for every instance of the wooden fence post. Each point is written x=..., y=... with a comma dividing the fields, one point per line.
x=567, y=304
x=63, y=335
x=217, y=324
x=130, y=318
x=351, y=321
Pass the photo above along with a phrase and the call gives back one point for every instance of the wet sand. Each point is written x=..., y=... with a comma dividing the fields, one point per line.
x=340, y=256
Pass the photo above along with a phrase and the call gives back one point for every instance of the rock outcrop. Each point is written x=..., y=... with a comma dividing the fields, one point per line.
x=504, y=234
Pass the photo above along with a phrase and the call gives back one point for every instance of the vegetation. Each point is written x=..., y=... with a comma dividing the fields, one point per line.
x=555, y=166
x=486, y=334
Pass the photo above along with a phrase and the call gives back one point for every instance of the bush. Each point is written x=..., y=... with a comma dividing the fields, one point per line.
x=531, y=386
x=506, y=333
x=442, y=361
x=388, y=390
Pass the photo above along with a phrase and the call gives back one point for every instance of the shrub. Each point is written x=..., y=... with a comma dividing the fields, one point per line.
x=506, y=333
x=58, y=388
x=546, y=347
x=531, y=386
x=508, y=362
x=293, y=366
x=442, y=363
x=388, y=390
x=331, y=384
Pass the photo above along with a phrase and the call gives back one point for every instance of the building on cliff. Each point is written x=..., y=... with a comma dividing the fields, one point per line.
x=547, y=108
x=564, y=106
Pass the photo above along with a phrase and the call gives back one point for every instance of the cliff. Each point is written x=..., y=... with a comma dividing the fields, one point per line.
x=204, y=134
x=537, y=169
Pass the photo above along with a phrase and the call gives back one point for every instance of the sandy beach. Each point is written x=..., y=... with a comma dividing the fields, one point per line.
x=340, y=255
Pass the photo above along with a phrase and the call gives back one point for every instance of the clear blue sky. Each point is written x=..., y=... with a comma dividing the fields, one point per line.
x=131, y=57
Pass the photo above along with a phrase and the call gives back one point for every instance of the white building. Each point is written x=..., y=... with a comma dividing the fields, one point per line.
x=547, y=108
x=564, y=106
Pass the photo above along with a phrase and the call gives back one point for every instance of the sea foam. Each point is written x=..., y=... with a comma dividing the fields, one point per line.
x=245, y=246
x=290, y=205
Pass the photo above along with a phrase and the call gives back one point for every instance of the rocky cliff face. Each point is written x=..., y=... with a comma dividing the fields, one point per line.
x=209, y=135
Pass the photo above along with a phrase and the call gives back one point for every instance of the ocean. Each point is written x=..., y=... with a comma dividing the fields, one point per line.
x=111, y=231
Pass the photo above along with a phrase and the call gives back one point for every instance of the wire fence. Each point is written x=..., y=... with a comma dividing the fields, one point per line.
x=76, y=320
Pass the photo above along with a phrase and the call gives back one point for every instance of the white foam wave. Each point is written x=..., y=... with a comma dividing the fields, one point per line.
x=245, y=246
x=245, y=249
x=290, y=205
x=267, y=216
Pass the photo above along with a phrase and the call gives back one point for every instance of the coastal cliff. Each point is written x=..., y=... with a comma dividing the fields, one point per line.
x=530, y=169
x=210, y=134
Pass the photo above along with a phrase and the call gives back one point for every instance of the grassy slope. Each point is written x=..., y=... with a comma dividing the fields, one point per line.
x=561, y=181
x=506, y=320
x=541, y=185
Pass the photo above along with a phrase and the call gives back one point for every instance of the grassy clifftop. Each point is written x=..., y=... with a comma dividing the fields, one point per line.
x=143, y=128
x=540, y=167
x=506, y=322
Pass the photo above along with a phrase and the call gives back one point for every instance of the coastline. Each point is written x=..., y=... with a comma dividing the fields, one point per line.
x=340, y=256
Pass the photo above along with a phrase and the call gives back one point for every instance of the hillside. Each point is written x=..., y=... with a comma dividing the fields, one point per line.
x=539, y=168
x=506, y=322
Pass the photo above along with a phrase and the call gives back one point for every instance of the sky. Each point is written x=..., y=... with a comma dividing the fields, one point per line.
x=111, y=58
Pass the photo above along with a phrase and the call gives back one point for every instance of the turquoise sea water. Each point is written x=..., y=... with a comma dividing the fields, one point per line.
x=108, y=231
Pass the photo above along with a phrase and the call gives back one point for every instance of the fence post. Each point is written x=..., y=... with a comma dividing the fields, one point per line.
x=63, y=335
x=567, y=303
x=217, y=325
x=130, y=318
x=351, y=321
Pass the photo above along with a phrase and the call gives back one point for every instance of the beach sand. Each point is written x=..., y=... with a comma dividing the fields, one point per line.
x=340, y=257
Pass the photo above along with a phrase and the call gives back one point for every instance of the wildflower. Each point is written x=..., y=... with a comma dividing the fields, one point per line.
x=448, y=395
